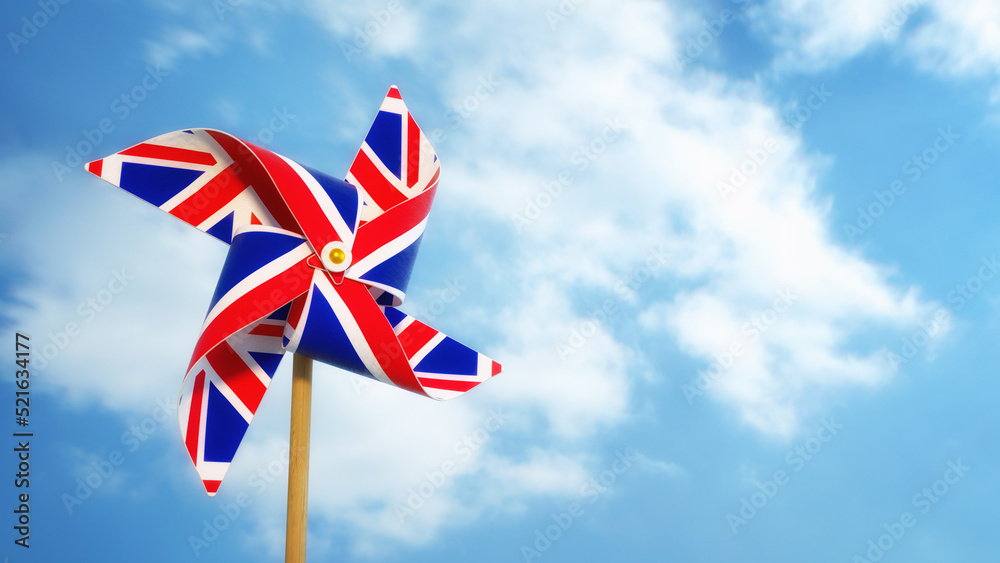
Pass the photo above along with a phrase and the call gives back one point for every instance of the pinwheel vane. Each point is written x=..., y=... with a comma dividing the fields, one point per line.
x=316, y=266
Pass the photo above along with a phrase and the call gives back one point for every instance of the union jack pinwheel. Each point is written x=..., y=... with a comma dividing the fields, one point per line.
x=316, y=266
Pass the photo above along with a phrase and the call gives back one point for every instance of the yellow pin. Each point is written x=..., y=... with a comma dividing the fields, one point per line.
x=337, y=256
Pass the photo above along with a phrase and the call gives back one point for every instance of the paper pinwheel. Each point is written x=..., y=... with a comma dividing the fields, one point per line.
x=316, y=266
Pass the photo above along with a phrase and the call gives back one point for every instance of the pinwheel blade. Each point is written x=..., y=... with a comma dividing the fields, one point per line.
x=396, y=161
x=220, y=396
x=445, y=368
x=341, y=325
x=241, y=345
x=205, y=178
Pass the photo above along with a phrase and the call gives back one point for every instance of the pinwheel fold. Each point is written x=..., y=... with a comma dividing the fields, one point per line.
x=316, y=266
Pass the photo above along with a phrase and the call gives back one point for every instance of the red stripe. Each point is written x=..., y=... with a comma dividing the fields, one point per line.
x=383, y=192
x=413, y=152
x=378, y=334
x=312, y=221
x=212, y=487
x=268, y=330
x=295, y=313
x=194, y=417
x=277, y=291
x=394, y=93
x=177, y=154
x=253, y=173
x=237, y=375
x=496, y=368
x=415, y=336
x=447, y=384
x=210, y=198
x=390, y=225
x=96, y=167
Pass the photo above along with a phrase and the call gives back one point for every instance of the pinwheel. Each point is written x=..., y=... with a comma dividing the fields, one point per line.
x=316, y=266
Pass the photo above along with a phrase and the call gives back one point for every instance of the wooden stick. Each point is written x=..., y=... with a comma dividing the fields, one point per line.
x=298, y=460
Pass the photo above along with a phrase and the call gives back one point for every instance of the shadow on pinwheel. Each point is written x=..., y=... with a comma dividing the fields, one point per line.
x=316, y=266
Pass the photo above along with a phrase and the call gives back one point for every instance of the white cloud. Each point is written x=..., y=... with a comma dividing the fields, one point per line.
x=372, y=27
x=656, y=184
x=230, y=111
x=962, y=38
x=814, y=34
x=193, y=29
x=771, y=235
x=952, y=38
x=176, y=43
x=576, y=387
x=660, y=467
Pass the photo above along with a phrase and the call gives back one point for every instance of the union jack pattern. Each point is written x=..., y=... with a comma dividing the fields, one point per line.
x=396, y=161
x=194, y=176
x=316, y=266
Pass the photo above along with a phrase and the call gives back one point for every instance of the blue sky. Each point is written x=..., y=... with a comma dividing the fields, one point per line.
x=738, y=260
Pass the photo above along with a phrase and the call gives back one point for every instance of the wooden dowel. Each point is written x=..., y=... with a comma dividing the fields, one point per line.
x=298, y=460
